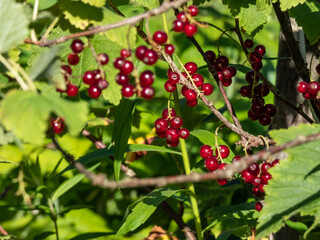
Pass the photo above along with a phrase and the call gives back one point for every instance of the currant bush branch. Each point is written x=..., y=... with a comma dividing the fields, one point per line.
x=272, y=88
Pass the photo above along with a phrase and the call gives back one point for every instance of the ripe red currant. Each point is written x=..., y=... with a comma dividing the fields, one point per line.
x=122, y=79
x=102, y=84
x=191, y=67
x=161, y=125
x=88, y=77
x=127, y=90
x=72, y=90
x=176, y=122
x=247, y=176
x=178, y=25
x=66, y=69
x=103, y=58
x=169, y=49
x=191, y=95
x=207, y=88
x=165, y=113
x=169, y=86
x=146, y=78
x=260, y=49
x=172, y=134
x=125, y=53
x=206, y=151
x=192, y=103
x=211, y=55
x=184, y=133
x=173, y=77
x=197, y=79
x=193, y=10
x=224, y=151
x=94, y=91
x=211, y=163
x=160, y=37
x=127, y=67
x=57, y=125
x=147, y=92
x=73, y=59
x=190, y=29
x=258, y=206
x=303, y=87
x=256, y=66
x=314, y=87
x=150, y=57
x=77, y=46
x=248, y=43
x=140, y=52
x=118, y=62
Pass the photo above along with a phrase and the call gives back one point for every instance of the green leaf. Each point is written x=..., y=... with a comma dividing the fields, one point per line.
x=43, y=235
x=198, y=2
x=299, y=226
x=47, y=66
x=208, y=138
x=44, y=4
x=287, y=4
x=143, y=210
x=79, y=14
x=70, y=183
x=121, y=132
x=307, y=16
x=92, y=235
x=262, y=4
x=95, y=3
x=150, y=4
x=13, y=25
x=294, y=187
x=31, y=121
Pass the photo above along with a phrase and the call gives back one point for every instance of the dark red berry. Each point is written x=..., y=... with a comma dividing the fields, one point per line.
x=192, y=103
x=127, y=90
x=191, y=67
x=88, y=78
x=256, y=66
x=66, y=69
x=275, y=162
x=270, y=110
x=73, y=59
x=165, y=113
x=227, y=72
x=103, y=58
x=246, y=91
x=97, y=75
x=261, y=187
x=256, y=192
x=250, y=77
x=146, y=78
x=182, y=16
x=172, y=143
x=252, y=116
x=211, y=56
x=150, y=57
x=207, y=88
x=247, y=176
x=222, y=182
x=72, y=90
x=160, y=37
x=161, y=125
x=256, y=181
x=258, y=206
x=125, y=53
x=118, y=62
x=147, y=92
x=173, y=77
x=191, y=95
x=77, y=46
x=94, y=91
x=224, y=151
x=169, y=86
x=57, y=125
x=265, y=167
x=176, y=122
x=169, y=49
x=127, y=67
x=161, y=134
x=318, y=68
x=303, y=87
x=206, y=151
x=260, y=49
x=233, y=71
x=222, y=62
x=140, y=52
x=122, y=79
x=257, y=108
x=254, y=169
x=211, y=163
x=258, y=100
x=264, y=120
x=184, y=133
x=314, y=87
x=184, y=90
x=248, y=43
x=193, y=10
x=172, y=134
x=261, y=90
x=309, y=95
x=102, y=84
x=255, y=57
x=178, y=25
x=236, y=158
x=190, y=29
x=226, y=82
x=265, y=177
x=197, y=79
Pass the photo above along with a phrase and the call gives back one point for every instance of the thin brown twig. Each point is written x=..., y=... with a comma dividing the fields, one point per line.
x=272, y=88
x=165, y=6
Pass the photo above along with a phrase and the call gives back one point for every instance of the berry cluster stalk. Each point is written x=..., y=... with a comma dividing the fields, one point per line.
x=186, y=164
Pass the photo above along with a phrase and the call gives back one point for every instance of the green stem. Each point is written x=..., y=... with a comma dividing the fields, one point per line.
x=187, y=169
x=54, y=218
x=165, y=25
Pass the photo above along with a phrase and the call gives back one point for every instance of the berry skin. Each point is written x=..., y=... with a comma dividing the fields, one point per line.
x=265, y=120
x=165, y=113
x=190, y=29
x=224, y=151
x=236, y=158
x=260, y=49
x=257, y=108
x=227, y=72
x=309, y=95
x=252, y=116
x=197, y=79
x=275, y=162
x=233, y=71
x=255, y=57
x=250, y=77
x=314, y=87
x=207, y=89
x=161, y=125
x=245, y=91
x=77, y=46
x=150, y=57
x=172, y=134
x=318, y=68
x=258, y=206
x=270, y=110
x=161, y=134
x=191, y=95
x=261, y=187
x=255, y=191
x=193, y=10
x=191, y=67
x=222, y=62
x=265, y=177
x=173, y=77
x=169, y=86
x=265, y=167
x=184, y=90
x=302, y=87
x=122, y=79
x=127, y=90
x=256, y=181
x=176, y=122
x=192, y=103
x=248, y=43
x=127, y=67
x=211, y=163
x=206, y=151
x=172, y=144
x=169, y=49
x=72, y=90
x=182, y=16
x=261, y=90
x=147, y=92
x=184, y=133
x=247, y=176
x=125, y=53
x=66, y=69
x=57, y=125
x=226, y=82
x=211, y=56
x=88, y=78
x=160, y=37
x=103, y=58
x=254, y=169
x=140, y=52
x=119, y=62
x=178, y=25
x=103, y=84
x=256, y=66
x=222, y=182
x=94, y=91
x=73, y=59
x=146, y=78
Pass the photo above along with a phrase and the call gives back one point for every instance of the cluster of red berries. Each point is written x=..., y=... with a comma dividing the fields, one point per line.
x=258, y=176
x=256, y=91
x=95, y=79
x=256, y=55
x=169, y=127
x=310, y=90
x=193, y=77
x=57, y=124
x=182, y=23
x=160, y=37
x=211, y=161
